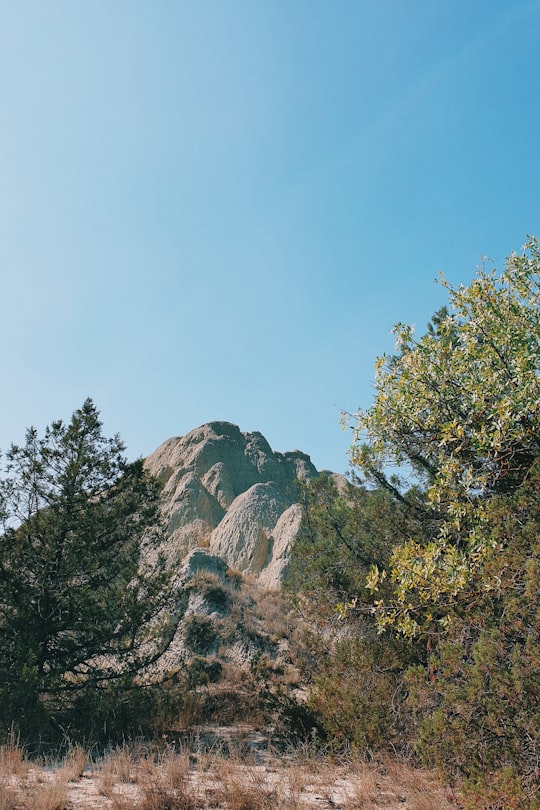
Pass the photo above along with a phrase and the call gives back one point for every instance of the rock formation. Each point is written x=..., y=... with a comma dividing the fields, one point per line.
x=230, y=493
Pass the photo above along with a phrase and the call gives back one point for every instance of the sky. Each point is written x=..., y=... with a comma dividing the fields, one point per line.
x=217, y=209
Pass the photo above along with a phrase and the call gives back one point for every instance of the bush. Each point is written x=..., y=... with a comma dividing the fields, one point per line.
x=479, y=698
x=200, y=634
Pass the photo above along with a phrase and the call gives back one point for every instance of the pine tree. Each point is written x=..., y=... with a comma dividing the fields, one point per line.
x=80, y=608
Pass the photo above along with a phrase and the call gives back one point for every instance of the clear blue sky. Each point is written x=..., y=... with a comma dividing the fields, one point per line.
x=216, y=209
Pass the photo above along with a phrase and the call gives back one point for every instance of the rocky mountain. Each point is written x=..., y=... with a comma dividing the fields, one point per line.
x=231, y=513
x=228, y=492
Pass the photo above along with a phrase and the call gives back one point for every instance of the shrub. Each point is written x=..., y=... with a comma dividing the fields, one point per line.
x=200, y=634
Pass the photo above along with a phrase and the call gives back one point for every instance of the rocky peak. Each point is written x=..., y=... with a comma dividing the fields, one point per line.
x=229, y=492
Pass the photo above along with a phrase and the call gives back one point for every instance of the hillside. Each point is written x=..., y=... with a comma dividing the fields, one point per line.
x=231, y=513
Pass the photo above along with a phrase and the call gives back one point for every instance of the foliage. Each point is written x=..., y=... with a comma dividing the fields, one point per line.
x=479, y=698
x=358, y=690
x=356, y=686
x=345, y=530
x=460, y=407
x=200, y=634
x=125, y=708
x=458, y=412
x=79, y=606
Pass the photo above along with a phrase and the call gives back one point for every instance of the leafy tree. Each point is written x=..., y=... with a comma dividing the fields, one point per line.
x=80, y=608
x=458, y=412
x=460, y=408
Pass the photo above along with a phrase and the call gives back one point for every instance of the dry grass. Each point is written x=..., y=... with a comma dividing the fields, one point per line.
x=34, y=791
x=14, y=768
x=201, y=580
x=13, y=761
x=394, y=784
x=271, y=610
x=165, y=783
x=50, y=795
x=117, y=768
x=73, y=764
x=180, y=780
x=26, y=786
x=242, y=785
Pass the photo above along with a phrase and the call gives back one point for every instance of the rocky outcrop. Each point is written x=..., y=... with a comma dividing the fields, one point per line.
x=230, y=493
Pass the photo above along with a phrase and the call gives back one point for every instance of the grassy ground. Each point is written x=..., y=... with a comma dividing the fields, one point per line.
x=135, y=778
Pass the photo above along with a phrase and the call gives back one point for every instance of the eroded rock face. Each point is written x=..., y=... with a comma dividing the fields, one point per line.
x=229, y=492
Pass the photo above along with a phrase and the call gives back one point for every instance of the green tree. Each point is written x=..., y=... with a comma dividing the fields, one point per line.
x=459, y=408
x=81, y=609
x=346, y=528
x=458, y=412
